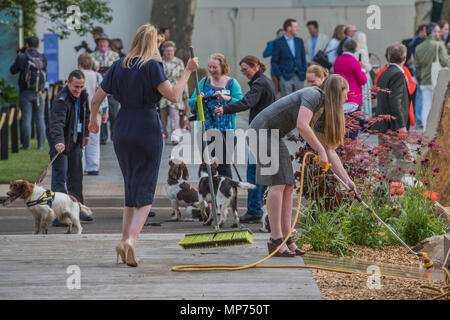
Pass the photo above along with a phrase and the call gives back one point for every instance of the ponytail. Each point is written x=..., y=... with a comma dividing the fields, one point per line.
x=253, y=61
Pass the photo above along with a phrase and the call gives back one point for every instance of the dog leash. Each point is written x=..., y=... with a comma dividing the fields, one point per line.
x=44, y=174
x=223, y=138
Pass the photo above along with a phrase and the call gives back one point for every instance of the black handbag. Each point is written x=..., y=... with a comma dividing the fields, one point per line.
x=321, y=58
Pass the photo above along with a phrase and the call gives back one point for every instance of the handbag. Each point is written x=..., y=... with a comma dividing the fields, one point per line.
x=435, y=68
x=321, y=58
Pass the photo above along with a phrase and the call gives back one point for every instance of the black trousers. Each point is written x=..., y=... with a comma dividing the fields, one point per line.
x=67, y=171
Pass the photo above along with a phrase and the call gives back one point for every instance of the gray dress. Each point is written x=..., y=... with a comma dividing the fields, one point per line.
x=276, y=168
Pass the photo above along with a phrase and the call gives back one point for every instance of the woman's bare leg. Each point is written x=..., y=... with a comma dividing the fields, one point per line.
x=136, y=223
x=274, y=208
x=286, y=213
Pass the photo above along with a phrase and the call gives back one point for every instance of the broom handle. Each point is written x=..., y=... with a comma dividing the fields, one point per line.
x=208, y=165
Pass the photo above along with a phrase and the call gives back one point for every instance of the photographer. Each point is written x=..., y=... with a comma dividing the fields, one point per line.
x=32, y=67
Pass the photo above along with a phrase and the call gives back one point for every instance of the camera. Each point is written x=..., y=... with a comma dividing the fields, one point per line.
x=21, y=50
x=84, y=46
x=210, y=98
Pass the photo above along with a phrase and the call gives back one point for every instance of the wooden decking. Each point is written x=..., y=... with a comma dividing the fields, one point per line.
x=35, y=267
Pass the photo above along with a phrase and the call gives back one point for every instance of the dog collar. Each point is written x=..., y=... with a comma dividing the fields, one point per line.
x=46, y=199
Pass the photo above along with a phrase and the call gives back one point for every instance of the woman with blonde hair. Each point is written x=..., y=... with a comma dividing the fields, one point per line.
x=220, y=90
x=318, y=115
x=138, y=82
x=315, y=75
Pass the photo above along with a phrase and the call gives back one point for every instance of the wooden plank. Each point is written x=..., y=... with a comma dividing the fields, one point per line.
x=34, y=267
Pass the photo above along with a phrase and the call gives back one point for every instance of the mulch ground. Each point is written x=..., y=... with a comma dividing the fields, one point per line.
x=339, y=286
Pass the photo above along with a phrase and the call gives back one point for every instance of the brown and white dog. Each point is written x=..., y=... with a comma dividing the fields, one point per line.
x=225, y=191
x=180, y=193
x=64, y=207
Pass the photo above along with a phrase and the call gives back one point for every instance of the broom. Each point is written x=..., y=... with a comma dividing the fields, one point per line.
x=217, y=238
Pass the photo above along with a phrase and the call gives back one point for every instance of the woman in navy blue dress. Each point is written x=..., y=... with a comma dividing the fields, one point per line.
x=138, y=82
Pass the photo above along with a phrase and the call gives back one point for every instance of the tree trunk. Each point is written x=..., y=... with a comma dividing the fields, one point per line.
x=445, y=10
x=178, y=16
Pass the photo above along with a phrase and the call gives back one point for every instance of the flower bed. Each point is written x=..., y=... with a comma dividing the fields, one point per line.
x=334, y=222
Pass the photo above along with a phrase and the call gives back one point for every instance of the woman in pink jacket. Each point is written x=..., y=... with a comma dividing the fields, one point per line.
x=354, y=72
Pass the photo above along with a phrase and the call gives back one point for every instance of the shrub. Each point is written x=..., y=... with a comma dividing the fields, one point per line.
x=325, y=230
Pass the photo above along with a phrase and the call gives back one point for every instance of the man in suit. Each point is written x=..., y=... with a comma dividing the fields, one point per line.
x=315, y=41
x=289, y=60
x=395, y=102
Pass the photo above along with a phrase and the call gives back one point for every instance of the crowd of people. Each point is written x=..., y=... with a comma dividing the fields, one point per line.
x=337, y=71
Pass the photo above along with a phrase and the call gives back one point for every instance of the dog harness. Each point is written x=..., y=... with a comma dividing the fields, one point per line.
x=46, y=199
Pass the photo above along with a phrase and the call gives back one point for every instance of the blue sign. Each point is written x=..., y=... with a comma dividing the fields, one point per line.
x=52, y=52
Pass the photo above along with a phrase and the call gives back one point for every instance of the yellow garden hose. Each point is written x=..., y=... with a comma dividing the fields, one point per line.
x=194, y=268
x=438, y=293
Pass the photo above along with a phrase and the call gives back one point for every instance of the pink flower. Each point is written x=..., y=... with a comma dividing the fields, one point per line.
x=413, y=173
x=436, y=170
x=426, y=183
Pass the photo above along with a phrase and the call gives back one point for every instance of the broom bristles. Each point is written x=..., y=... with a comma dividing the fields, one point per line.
x=216, y=239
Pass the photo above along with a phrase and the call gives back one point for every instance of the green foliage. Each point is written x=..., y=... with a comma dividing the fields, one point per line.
x=416, y=221
x=8, y=94
x=55, y=11
x=325, y=230
x=363, y=229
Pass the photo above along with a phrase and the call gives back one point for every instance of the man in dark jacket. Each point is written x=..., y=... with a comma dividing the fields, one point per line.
x=31, y=101
x=262, y=94
x=395, y=102
x=67, y=134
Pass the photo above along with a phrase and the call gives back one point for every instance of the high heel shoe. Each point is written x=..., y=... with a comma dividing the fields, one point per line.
x=120, y=251
x=298, y=252
x=130, y=254
x=274, y=244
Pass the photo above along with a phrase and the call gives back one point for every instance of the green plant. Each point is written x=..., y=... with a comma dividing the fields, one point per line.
x=8, y=94
x=416, y=221
x=363, y=229
x=325, y=230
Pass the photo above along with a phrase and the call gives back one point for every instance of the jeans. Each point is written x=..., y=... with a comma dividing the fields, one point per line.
x=418, y=106
x=114, y=107
x=30, y=110
x=254, y=200
x=67, y=171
